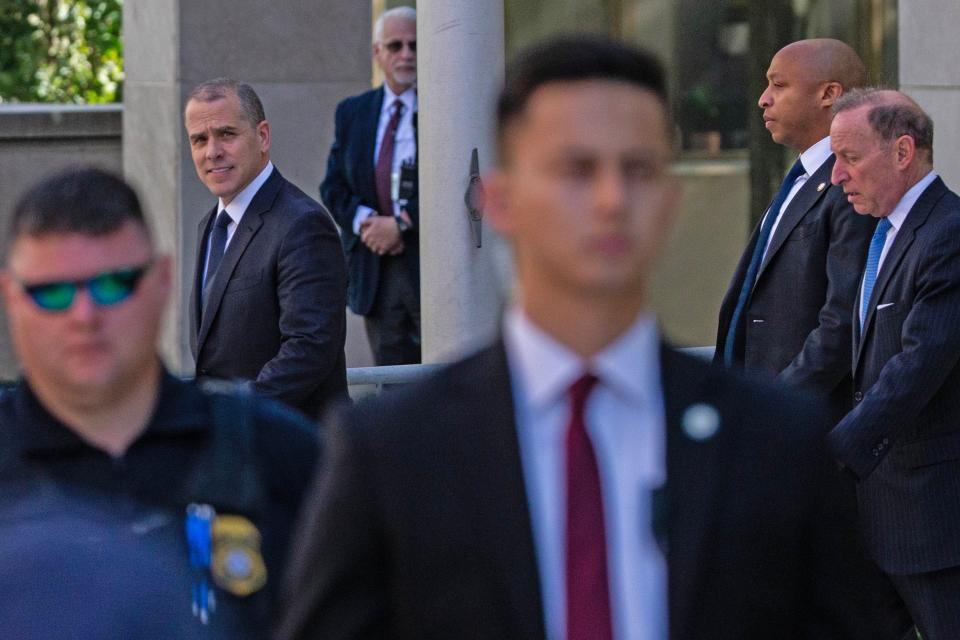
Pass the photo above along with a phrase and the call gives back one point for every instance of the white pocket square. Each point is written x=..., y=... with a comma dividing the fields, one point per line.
x=884, y=305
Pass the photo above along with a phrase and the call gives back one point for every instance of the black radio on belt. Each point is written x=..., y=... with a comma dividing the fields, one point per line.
x=404, y=183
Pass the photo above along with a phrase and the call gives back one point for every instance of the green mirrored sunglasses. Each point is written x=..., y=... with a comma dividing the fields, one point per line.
x=107, y=288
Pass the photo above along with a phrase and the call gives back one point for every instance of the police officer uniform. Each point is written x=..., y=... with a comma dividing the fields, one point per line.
x=95, y=546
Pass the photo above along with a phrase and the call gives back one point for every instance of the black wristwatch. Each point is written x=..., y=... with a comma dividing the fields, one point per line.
x=402, y=224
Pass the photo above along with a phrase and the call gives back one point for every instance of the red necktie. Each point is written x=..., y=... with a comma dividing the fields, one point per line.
x=588, y=599
x=384, y=169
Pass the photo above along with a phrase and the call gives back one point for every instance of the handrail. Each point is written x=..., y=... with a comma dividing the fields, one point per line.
x=391, y=374
x=407, y=373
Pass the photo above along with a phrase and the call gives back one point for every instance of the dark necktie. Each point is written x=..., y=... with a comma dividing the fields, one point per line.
x=758, y=250
x=873, y=263
x=218, y=244
x=588, y=598
x=384, y=169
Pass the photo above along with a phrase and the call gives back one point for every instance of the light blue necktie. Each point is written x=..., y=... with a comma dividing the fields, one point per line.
x=758, y=250
x=873, y=262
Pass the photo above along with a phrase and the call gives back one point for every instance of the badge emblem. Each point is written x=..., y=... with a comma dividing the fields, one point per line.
x=821, y=187
x=237, y=566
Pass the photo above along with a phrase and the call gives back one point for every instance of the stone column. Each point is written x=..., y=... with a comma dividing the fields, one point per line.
x=928, y=33
x=300, y=57
x=460, y=69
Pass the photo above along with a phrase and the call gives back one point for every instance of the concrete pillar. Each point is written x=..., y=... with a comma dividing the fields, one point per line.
x=928, y=33
x=460, y=70
x=300, y=57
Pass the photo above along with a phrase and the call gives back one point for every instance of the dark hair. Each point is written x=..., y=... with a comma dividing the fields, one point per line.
x=891, y=115
x=570, y=58
x=220, y=88
x=83, y=200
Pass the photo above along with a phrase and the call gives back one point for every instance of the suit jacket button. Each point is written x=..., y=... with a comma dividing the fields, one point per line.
x=885, y=441
x=875, y=453
x=857, y=396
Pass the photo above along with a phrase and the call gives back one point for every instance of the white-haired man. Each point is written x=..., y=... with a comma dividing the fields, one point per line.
x=376, y=142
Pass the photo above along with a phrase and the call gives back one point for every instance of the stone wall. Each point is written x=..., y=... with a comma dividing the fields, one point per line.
x=928, y=35
x=37, y=140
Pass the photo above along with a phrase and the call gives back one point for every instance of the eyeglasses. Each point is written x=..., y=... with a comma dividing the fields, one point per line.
x=394, y=46
x=106, y=289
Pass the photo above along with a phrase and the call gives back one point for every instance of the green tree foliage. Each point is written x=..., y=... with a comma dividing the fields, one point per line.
x=61, y=51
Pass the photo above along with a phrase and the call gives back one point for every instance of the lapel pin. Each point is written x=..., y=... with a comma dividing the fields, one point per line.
x=821, y=187
x=700, y=422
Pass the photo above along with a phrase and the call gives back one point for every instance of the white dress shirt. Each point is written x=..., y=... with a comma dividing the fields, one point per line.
x=811, y=159
x=236, y=209
x=898, y=216
x=405, y=142
x=626, y=423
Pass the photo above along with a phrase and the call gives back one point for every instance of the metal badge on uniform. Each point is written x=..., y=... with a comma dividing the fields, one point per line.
x=821, y=187
x=701, y=421
x=237, y=566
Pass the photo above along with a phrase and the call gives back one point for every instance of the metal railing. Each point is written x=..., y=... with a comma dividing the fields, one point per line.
x=377, y=377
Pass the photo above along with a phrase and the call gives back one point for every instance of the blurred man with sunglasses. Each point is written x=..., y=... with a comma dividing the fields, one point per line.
x=371, y=189
x=163, y=511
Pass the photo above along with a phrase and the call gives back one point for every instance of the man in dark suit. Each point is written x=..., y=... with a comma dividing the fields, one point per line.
x=902, y=439
x=787, y=310
x=376, y=146
x=268, y=294
x=498, y=500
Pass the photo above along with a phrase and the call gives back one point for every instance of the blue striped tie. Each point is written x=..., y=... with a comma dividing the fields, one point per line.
x=873, y=262
x=758, y=250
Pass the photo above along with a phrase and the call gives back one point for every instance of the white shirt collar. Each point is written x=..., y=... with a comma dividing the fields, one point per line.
x=814, y=157
x=899, y=213
x=547, y=368
x=408, y=98
x=242, y=200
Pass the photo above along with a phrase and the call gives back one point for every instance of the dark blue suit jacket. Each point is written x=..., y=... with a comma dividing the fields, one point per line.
x=902, y=439
x=275, y=313
x=421, y=529
x=797, y=320
x=350, y=182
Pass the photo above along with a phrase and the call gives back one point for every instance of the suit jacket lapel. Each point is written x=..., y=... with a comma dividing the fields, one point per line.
x=503, y=517
x=736, y=284
x=804, y=200
x=371, y=114
x=249, y=224
x=905, y=236
x=202, y=231
x=692, y=481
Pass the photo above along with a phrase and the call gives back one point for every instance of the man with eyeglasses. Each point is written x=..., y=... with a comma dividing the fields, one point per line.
x=371, y=189
x=132, y=505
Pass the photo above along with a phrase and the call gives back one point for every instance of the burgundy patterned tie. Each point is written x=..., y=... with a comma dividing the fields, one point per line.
x=384, y=168
x=588, y=599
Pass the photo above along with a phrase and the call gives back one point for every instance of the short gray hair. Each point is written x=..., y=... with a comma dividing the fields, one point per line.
x=220, y=88
x=407, y=13
x=892, y=114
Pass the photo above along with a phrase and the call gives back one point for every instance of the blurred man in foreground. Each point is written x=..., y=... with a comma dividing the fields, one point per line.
x=133, y=505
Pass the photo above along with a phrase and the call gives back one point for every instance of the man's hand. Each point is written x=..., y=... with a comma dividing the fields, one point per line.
x=381, y=235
